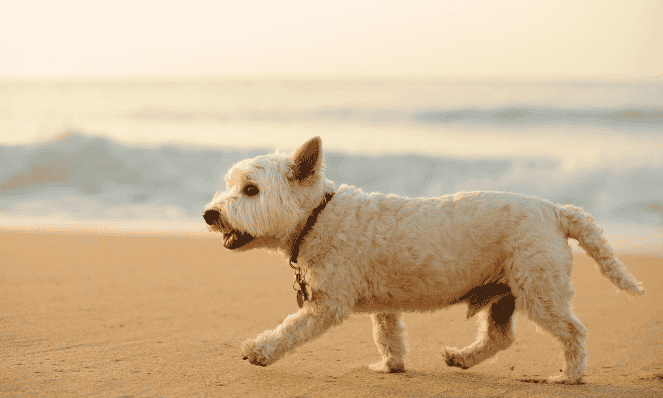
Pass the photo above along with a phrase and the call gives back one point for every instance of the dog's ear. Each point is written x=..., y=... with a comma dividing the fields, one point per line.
x=307, y=159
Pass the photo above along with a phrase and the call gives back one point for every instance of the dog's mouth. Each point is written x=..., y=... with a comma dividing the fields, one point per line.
x=232, y=238
x=235, y=239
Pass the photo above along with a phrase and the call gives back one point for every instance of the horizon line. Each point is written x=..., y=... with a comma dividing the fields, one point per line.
x=8, y=78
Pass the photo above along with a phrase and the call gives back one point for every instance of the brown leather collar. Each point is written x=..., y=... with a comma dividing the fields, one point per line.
x=300, y=285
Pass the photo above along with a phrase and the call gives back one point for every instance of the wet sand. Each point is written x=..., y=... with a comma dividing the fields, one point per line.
x=93, y=313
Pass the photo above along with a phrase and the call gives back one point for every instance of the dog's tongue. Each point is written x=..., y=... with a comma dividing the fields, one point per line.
x=235, y=239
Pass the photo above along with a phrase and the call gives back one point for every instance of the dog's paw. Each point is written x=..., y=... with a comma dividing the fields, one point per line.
x=383, y=367
x=561, y=379
x=453, y=357
x=255, y=353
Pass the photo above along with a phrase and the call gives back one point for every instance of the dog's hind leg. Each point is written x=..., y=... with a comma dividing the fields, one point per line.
x=545, y=293
x=389, y=335
x=560, y=321
x=568, y=329
x=496, y=333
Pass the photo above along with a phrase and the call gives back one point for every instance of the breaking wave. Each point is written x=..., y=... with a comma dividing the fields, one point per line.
x=94, y=178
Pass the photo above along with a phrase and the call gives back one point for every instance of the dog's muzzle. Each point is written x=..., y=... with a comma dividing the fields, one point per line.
x=233, y=239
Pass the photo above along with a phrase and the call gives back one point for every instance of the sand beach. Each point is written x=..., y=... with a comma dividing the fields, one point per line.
x=96, y=312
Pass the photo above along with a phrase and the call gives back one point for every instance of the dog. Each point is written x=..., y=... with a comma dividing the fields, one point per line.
x=356, y=252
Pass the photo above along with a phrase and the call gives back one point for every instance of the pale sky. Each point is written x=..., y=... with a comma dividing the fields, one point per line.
x=313, y=38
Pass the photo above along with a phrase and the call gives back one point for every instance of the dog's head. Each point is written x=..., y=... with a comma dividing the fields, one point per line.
x=268, y=196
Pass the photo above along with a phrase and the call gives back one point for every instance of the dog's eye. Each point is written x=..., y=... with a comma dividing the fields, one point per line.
x=251, y=190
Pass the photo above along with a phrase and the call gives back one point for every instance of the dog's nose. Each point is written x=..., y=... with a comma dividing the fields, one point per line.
x=211, y=216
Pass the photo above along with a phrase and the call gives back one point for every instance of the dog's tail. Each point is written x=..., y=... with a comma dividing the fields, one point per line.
x=579, y=225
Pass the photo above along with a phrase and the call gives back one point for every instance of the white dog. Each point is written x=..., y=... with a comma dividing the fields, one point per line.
x=384, y=254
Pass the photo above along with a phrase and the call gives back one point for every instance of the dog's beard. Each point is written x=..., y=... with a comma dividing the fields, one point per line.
x=236, y=239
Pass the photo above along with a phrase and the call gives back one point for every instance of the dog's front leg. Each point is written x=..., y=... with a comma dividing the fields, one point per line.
x=310, y=322
x=389, y=335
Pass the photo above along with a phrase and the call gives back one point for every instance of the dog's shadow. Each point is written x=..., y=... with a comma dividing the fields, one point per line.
x=361, y=381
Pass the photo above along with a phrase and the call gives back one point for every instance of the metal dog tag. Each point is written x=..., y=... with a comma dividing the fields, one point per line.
x=300, y=298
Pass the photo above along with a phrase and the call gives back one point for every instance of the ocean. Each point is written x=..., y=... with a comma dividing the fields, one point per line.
x=152, y=152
